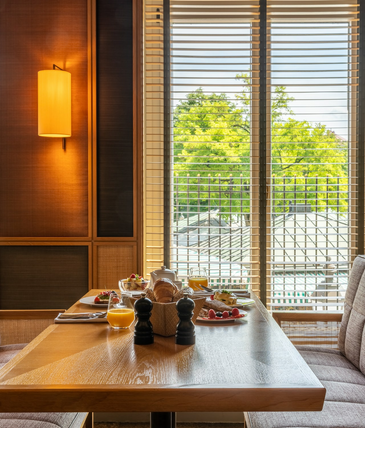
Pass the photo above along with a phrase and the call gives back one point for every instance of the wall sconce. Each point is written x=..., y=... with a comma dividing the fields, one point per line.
x=54, y=103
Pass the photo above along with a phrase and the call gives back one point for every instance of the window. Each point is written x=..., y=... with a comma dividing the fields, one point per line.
x=251, y=157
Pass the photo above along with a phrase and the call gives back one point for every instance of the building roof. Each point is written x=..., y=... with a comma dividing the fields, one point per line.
x=303, y=239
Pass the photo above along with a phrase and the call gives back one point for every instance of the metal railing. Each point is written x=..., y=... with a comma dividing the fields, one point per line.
x=309, y=257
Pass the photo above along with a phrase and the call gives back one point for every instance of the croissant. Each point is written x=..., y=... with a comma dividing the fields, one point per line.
x=164, y=290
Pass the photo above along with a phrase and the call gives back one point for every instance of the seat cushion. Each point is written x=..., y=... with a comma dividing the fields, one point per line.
x=352, y=332
x=42, y=420
x=344, y=405
x=9, y=351
x=35, y=420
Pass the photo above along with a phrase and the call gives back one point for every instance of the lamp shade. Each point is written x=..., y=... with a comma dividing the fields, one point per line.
x=54, y=103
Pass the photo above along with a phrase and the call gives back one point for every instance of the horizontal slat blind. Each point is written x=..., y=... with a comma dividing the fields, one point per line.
x=213, y=176
x=214, y=66
x=153, y=136
x=313, y=58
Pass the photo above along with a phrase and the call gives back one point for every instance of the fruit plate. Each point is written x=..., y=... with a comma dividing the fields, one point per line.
x=90, y=302
x=229, y=319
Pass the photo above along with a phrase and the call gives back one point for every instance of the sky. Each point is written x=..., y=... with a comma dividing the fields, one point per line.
x=314, y=56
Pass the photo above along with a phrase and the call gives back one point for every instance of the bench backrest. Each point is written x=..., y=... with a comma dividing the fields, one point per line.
x=352, y=332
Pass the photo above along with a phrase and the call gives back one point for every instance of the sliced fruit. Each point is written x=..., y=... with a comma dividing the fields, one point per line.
x=235, y=312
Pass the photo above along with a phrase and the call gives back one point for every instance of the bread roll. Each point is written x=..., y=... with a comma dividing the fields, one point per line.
x=178, y=295
x=164, y=290
x=150, y=294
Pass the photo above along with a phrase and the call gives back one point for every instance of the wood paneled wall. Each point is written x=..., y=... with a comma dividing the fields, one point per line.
x=68, y=221
x=43, y=189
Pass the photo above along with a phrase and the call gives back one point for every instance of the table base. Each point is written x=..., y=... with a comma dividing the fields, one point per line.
x=162, y=420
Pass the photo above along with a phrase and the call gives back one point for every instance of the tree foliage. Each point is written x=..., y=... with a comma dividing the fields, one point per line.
x=213, y=143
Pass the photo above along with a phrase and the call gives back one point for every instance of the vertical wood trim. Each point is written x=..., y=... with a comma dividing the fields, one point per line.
x=262, y=157
x=361, y=132
x=167, y=132
x=254, y=159
x=353, y=143
x=90, y=265
x=137, y=129
x=95, y=266
x=89, y=114
x=93, y=112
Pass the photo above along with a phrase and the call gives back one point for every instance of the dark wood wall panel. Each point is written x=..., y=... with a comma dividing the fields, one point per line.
x=37, y=277
x=114, y=119
x=43, y=189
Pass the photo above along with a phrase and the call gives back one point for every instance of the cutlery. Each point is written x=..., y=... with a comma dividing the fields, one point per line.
x=206, y=288
x=241, y=295
x=98, y=315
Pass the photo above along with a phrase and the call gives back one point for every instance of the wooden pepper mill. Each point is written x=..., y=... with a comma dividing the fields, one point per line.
x=185, y=330
x=143, y=331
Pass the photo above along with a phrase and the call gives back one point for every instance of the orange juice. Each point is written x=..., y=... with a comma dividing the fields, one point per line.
x=195, y=281
x=120, y=318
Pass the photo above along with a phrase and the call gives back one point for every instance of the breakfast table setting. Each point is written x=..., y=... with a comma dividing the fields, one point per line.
x=156, y=351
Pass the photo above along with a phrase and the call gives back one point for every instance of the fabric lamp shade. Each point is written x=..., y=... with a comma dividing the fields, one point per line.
x=54, y=103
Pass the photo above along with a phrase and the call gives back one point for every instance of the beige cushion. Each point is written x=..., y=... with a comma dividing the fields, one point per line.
x=42, y=420
x=352, y=332
x=9, y=351
x=35, y=420
x=344, y=406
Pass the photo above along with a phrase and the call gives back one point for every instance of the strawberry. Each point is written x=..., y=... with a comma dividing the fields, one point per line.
x=133, y=275
x=211, y=314
x=97, y=300
x=225, y=314
x=235, y=312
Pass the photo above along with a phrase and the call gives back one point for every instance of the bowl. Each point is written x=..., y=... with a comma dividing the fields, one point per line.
x=133, y=285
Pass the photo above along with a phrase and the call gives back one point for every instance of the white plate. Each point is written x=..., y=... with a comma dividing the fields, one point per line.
x=229, y=319
x=90, y=302
x=132, y=293
x=242, y=302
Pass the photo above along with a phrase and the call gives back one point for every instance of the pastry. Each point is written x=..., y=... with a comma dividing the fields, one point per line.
x=225, y=296
x=150, y=294
x=178, y=295
x=164, y=290
x=217, y=305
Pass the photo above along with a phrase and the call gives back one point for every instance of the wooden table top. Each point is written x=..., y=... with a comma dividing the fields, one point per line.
x=247, y=365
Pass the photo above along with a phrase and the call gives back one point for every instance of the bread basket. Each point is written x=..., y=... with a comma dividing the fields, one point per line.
x=164, y=316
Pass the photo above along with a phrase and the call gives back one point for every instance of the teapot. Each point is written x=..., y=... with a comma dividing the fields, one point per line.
x=162, y=273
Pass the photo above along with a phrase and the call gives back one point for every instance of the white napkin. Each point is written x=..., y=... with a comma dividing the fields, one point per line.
x=81, y=317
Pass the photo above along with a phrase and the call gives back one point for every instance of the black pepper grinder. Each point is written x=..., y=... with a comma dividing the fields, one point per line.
x=143, y=331
x=185, y=330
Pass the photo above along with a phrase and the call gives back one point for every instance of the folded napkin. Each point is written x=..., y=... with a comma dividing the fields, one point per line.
x=81, y=317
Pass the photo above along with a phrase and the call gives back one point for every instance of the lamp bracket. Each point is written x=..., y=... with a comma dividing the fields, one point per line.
x=56, y=67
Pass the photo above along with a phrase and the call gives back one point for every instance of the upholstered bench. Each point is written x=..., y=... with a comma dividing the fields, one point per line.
x=342, y=372
x=36, y=420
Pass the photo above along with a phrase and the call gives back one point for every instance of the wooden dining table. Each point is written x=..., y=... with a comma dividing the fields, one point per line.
x=244, y=365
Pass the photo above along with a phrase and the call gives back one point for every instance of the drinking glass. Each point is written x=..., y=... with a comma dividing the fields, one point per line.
x=198, y=275
x=120, y=313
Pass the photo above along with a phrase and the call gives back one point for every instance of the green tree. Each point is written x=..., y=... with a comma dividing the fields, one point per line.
x=212, y=135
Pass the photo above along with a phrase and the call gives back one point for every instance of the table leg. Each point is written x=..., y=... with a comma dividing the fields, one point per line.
x=162, y=420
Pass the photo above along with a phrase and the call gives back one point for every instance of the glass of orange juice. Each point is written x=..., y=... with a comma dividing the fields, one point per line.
x=198, y=276
x=120, y=313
